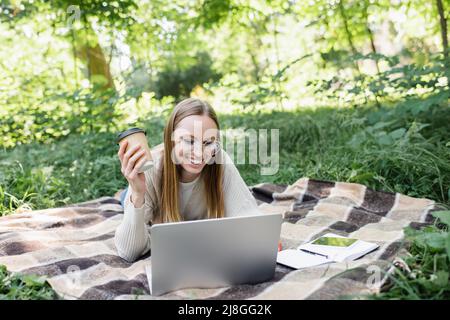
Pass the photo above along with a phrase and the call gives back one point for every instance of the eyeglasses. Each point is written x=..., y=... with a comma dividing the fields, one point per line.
x=209, y=147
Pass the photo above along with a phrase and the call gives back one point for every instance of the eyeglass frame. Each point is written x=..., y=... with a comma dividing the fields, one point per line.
x=215, y=143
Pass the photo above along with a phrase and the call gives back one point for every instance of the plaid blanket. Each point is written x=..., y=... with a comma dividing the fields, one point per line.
x=73, y=246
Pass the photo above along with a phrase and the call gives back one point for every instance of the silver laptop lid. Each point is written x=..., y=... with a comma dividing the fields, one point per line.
x=214, y=252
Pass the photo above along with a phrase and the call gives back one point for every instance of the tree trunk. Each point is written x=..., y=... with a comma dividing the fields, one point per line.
x=98, y=65
x=92, y=54
x=277, y=55
x=99, y=74
x=347, y=32
x=372, y=44
x=370, y=33
x=350, y=40
x=443, y=23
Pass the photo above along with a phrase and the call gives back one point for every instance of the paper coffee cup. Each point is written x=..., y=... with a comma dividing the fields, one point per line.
x=136, y=136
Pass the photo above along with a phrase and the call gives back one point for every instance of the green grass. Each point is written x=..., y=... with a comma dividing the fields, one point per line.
x=318, y=143
x=323, y=144
x=425, y=274
x=389, y=149
x=24, y=287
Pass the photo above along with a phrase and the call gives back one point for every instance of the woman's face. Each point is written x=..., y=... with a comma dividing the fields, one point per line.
x=195, y=138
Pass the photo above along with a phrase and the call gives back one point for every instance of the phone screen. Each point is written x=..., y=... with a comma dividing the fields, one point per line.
x=334, y=241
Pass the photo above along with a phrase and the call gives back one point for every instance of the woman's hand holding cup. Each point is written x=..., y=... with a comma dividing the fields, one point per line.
x=131, y=160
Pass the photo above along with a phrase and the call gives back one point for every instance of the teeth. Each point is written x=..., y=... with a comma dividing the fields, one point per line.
x=195, y=162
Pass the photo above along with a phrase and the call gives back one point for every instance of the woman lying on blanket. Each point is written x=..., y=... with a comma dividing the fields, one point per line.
x=193, y=178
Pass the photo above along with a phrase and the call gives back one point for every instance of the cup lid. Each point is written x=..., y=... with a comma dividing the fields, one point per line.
x=127, y=132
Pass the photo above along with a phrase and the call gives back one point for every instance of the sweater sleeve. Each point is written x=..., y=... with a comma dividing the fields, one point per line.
x=132, y=238
x=238, y=199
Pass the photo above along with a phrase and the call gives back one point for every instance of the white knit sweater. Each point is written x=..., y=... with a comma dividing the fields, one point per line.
x=132, y=237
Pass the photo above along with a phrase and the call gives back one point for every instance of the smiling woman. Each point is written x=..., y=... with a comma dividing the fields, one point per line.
x=189, y=181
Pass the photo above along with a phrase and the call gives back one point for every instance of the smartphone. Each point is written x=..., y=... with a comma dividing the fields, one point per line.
x=334, y=241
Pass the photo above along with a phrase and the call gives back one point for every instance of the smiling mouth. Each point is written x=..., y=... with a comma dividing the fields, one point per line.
x=195, y=162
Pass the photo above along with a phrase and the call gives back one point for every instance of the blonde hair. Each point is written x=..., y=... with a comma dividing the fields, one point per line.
x=212, y=174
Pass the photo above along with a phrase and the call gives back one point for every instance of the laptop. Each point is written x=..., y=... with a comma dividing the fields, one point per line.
x=213, y=253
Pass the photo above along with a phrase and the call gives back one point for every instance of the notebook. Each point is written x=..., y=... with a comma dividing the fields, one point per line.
x=327, y=249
